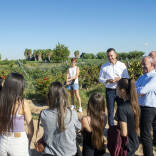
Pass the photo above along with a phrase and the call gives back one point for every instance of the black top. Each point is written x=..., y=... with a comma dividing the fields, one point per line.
x=88, y=148
x=125, y=114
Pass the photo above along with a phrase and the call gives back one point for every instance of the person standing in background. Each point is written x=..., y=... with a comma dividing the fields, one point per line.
x=73, y=83
x=110, y=74
x=153, y=55
x=146, y=90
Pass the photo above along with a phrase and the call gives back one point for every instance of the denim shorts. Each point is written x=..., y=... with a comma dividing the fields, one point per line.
x=73, y=87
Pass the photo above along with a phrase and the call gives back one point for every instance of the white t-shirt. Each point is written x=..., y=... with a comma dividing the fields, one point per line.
x=72, y=73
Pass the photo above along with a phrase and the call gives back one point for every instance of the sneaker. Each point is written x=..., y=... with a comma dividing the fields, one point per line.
x=80, y=109
x=72, y=107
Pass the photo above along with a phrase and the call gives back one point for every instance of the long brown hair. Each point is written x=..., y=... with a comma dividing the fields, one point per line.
x=12, y=92
x=96, y=111
x=130, y=87
x=57, y=98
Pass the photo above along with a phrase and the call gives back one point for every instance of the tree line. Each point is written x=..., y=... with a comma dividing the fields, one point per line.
x=61, y=53
x=121, y=55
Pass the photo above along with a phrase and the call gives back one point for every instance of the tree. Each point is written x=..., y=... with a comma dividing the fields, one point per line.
x=87, y=56
x=35, y=54
x=91, y=56
x=123, y=55
x=42, y=54
x=39, y=55
x=135, y=54
x=26, y=53
x=47, y=55
x=82, y=55
x=77, y=53
x=61, y=52
x=29, y=53
x=101, y=55
x=130, y=55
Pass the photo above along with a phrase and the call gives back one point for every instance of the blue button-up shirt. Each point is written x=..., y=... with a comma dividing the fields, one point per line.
x=146, y=89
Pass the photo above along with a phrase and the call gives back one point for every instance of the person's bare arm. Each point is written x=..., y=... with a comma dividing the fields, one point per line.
x=123, y=129
x=29, y=120
x=68, y=77
x=85, y=124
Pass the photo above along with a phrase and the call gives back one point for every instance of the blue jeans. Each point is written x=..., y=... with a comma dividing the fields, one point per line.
x=148, y=114
x=73, y=87
x=111, y=97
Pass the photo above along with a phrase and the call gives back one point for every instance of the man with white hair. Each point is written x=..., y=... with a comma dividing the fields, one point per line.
x=146, y=89
x=153, y=55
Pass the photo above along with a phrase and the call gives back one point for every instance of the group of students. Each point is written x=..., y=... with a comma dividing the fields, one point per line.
x=60, y=123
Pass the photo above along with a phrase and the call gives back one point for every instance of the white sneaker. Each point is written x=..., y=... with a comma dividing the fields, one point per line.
x=80, y=109
x=72, y=107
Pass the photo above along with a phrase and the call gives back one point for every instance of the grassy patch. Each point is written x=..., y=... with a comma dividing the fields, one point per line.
x=86, y=93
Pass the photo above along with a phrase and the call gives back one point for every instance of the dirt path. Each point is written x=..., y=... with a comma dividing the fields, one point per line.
x=36, y=110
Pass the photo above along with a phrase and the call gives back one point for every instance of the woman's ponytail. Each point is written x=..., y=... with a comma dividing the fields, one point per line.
x=134, y=103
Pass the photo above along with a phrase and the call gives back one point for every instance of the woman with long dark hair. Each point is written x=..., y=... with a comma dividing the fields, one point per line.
x=13, y=112
x=93, y=126
x=128, y=113
x=59, y=123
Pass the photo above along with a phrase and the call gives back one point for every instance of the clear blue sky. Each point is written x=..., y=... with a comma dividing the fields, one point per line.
x=86, y=25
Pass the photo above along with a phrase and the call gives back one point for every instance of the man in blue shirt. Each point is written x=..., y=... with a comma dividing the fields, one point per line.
x=146, y=89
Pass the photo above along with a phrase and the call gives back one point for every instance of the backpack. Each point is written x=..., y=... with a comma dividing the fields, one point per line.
x=116, y=144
